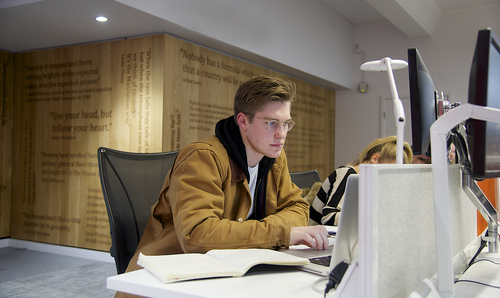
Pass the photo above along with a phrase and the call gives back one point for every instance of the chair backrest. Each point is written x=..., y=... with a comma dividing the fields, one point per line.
x=305, y=179
x=131, y=184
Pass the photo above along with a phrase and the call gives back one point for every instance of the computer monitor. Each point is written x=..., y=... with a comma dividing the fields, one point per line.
x=346, y=242
x=483, y=138
x=423, y=100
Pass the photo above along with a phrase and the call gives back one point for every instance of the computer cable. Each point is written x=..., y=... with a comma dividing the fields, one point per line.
x=315, y=286
x=477, y=282
x=336, y=275
x=481, y=247
x=487, y=260
x=473, y=261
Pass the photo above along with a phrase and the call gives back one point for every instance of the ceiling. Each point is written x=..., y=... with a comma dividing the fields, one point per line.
x=39, y=24
x=361, y=11
x=415, y=18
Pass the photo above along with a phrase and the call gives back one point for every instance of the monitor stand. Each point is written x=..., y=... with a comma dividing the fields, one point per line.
x=439, y=131
x=484, y=206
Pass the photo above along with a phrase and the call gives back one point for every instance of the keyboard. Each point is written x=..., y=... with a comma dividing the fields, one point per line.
x=323, y=261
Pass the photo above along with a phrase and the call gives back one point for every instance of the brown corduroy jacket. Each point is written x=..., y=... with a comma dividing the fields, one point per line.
x=205, y=200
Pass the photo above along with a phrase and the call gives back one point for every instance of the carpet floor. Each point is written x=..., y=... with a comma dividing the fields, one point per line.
x=26, y=273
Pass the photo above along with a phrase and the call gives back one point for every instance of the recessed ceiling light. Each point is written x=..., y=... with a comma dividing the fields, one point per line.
x=101, y=19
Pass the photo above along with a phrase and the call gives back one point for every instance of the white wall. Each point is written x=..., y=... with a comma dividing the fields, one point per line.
x=302, y=38
x=447, y=55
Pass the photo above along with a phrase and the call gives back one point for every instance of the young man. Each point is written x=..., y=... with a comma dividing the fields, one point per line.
x=233, y=190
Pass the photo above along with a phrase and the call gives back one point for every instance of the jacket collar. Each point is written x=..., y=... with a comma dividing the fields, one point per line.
x=237, y=174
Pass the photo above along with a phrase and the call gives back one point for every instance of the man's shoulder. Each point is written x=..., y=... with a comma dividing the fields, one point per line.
x=211, y=143
x=280, y=162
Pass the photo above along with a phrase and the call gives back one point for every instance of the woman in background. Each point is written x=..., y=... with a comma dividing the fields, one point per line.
x=326, y=206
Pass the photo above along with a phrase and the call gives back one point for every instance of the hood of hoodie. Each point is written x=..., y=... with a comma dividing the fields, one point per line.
x=228, y=132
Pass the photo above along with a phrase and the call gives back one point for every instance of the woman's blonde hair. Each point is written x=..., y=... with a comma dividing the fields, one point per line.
x=386, y=147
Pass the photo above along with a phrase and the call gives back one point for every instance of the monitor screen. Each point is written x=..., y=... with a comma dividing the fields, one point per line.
x=483, y=138
x=423, y=103
x=346, y=241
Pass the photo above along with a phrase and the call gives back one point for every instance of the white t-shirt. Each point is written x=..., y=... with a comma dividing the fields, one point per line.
x=252, y=183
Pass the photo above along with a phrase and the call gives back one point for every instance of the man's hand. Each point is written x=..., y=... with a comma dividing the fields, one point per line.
x=312, y=236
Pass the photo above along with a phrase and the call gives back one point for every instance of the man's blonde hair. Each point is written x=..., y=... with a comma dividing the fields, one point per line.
x=255, y=93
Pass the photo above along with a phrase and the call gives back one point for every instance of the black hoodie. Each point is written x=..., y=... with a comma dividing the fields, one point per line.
x=228, y=132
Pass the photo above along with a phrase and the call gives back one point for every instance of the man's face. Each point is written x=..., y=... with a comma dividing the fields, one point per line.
x=257, y=136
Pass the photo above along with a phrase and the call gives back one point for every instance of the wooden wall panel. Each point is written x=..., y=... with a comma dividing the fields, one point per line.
x=148, y=94
x=6, y=113
x=72, y=101
x=200, y=88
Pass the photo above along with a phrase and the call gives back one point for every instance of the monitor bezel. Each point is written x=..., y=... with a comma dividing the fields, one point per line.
x=476, y=130
x=418, y=103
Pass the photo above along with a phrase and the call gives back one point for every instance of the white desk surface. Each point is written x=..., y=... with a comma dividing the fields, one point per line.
x=482, y=279
x=274, y=282
x=261, y=281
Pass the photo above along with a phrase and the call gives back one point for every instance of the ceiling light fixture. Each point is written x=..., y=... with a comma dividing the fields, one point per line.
x=101, y=19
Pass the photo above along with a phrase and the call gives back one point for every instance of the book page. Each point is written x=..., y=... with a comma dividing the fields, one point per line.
x=244, y=259
x=170, y=268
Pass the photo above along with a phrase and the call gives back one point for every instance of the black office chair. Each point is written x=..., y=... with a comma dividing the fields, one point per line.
x=131, y=184
x=305, y=179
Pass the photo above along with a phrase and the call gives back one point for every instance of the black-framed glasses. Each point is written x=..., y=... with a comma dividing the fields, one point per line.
x=274, y=125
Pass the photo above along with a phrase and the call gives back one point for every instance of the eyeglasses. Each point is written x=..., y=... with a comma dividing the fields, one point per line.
x=274, y=125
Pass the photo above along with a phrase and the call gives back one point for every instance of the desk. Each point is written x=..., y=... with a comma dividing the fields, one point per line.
x=261, y=281
x=266, y=281
x=482, y=279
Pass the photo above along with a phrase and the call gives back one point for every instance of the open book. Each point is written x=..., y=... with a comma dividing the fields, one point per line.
x=215, y=263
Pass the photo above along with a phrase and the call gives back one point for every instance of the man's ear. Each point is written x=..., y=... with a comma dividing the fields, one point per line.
x=242, y=120
x=375, y=157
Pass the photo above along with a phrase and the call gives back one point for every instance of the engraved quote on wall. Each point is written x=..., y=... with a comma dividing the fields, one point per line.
x=69, y=108
x=148, y=94
x=6, y=136
x=216, y=77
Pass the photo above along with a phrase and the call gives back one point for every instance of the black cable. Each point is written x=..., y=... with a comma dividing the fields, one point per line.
x=481, y=247
x=477, y=282
x=486, y=260
x=336, y=275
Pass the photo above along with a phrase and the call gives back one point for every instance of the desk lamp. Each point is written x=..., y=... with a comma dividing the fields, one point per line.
x=387, y=64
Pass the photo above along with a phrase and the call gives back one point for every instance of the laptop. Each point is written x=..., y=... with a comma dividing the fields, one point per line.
x=346, y=239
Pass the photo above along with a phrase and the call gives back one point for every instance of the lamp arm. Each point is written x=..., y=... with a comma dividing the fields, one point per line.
x=399, y=113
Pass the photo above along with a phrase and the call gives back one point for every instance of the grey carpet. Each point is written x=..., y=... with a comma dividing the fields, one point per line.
x=25, y=273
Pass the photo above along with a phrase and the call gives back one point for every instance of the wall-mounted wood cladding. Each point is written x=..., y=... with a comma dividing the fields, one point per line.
x=6, y=112
x=147, y=94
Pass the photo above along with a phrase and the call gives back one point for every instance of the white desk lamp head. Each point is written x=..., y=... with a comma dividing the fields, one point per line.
x=387, y=64
x=384, y=64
